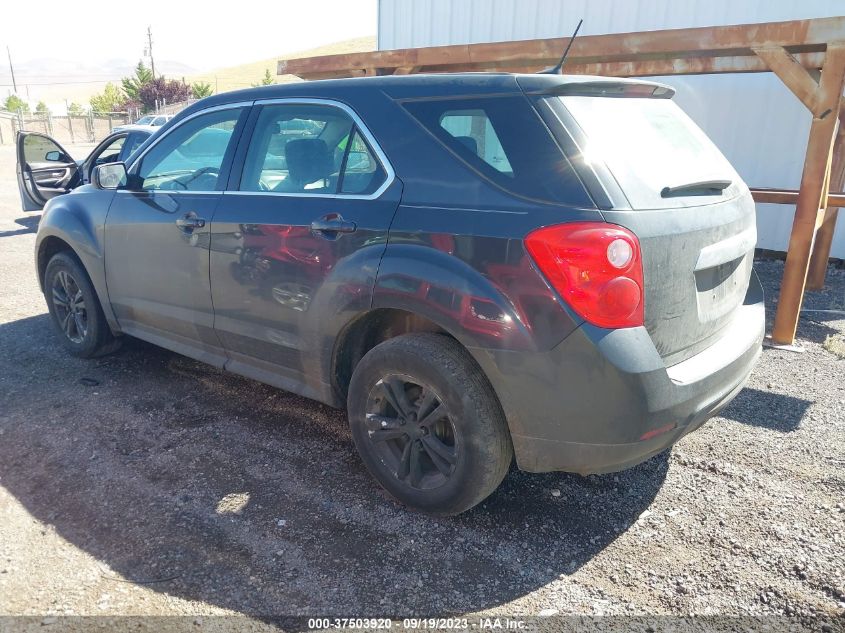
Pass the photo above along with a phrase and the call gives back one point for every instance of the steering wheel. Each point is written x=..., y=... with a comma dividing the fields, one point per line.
x=185, y=180
x=200, y=172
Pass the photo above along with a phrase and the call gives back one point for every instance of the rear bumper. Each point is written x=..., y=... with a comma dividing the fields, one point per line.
x=603, y=400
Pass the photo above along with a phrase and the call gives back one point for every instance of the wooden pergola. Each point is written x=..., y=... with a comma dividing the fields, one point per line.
x=807, y=55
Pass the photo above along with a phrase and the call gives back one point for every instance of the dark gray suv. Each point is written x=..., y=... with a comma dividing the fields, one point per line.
x=477, y=266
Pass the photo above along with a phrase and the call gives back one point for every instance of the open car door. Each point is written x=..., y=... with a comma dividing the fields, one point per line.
x=45, y=170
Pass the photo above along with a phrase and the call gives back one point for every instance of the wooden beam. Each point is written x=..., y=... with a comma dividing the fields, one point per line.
x=824, y=236
x=791, y=73
x=733, y=41
x=790, y=196
x=643, y=68
x=810, y=196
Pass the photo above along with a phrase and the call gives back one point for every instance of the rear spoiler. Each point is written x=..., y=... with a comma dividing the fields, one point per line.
x=563, y=85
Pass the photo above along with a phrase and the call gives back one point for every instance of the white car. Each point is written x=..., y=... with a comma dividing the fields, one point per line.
x=149, y=122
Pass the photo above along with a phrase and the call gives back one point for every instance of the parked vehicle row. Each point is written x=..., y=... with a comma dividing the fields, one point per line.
x=476, y=266
x=148, y=123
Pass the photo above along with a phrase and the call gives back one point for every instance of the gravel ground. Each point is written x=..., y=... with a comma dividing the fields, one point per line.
x=165, y=487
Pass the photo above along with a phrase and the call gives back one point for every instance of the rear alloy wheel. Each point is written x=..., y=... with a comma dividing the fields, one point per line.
x=410, y=429
x=427, y=423
x=75, y=309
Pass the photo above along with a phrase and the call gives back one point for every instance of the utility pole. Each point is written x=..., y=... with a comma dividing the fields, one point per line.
x=12, y=69
x=150, y=50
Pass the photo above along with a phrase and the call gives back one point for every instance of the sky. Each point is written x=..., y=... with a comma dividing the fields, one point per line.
x=204, y=35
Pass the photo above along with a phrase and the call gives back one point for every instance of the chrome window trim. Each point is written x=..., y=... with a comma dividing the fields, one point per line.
x=390, y=175
x=169, y=192
x=164, y=135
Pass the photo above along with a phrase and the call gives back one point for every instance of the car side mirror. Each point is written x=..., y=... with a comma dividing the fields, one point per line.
x=109, y=176
x=54, y=157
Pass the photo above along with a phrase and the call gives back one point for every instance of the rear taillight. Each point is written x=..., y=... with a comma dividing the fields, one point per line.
x=595, y=267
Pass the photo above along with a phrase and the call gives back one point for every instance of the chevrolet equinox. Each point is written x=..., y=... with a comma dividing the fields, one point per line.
x=479, y=267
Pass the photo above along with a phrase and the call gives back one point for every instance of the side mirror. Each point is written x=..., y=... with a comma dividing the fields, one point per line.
x=109, y=176
x=54, y=157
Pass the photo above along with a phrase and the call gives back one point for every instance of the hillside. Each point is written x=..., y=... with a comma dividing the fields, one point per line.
x=243, y=76
x=54, y=80
x=92, y=78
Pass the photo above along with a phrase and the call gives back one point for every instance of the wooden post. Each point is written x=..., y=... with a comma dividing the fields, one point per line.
x=811, y=194
x=824, y=236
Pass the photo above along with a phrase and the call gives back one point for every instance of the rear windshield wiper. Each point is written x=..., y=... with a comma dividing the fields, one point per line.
x=702, y=188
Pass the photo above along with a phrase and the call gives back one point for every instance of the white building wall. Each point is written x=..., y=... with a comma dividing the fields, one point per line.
x=755, y=120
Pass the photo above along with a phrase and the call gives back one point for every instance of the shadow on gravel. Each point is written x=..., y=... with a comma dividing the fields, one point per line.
x=29, y=224
x=769, y=410
x=214, y=488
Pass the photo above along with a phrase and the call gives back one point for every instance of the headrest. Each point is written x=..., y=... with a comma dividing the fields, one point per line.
x=308, y=160
x=469, y=142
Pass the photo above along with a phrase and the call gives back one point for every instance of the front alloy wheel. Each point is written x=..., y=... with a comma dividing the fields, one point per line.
x=75, y=309
x=71, y=313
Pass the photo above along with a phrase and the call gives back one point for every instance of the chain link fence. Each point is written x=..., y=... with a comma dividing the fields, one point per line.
x=173, y=108
x=7, y=127
x=84, y=128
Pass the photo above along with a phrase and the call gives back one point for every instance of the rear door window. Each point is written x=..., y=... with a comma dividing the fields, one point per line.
x=649, y=144
x=309, y=149
x=506, y=142
x=361, y=172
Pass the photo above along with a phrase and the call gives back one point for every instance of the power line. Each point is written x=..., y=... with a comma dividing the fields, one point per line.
x=38, y=76
x=150, y=49
x=12, y=68
x=61, y=83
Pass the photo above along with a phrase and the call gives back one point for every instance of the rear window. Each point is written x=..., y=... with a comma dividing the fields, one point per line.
x=505, y=141
x=648, y=144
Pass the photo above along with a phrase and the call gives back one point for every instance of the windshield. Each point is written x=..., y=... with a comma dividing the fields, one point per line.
x=651, y=144
x=144, y=120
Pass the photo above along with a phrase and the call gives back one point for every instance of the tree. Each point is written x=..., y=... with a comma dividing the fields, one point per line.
x=14, y=103
x=111, y=100
x=132, y=85
x=201, y=89
x=42, y=108
x=160, y=89
x=267, y=80
x=74, y=109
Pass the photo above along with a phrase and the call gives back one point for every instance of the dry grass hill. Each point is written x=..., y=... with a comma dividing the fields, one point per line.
x=245, y=75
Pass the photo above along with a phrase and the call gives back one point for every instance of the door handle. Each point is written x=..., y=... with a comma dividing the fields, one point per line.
x=190, y=221
x=330, y=226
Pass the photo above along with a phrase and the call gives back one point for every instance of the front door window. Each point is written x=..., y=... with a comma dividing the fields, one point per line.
x=191, y=157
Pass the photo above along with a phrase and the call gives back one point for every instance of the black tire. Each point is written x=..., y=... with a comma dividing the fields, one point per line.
x=79, y=321
x=452, y=458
